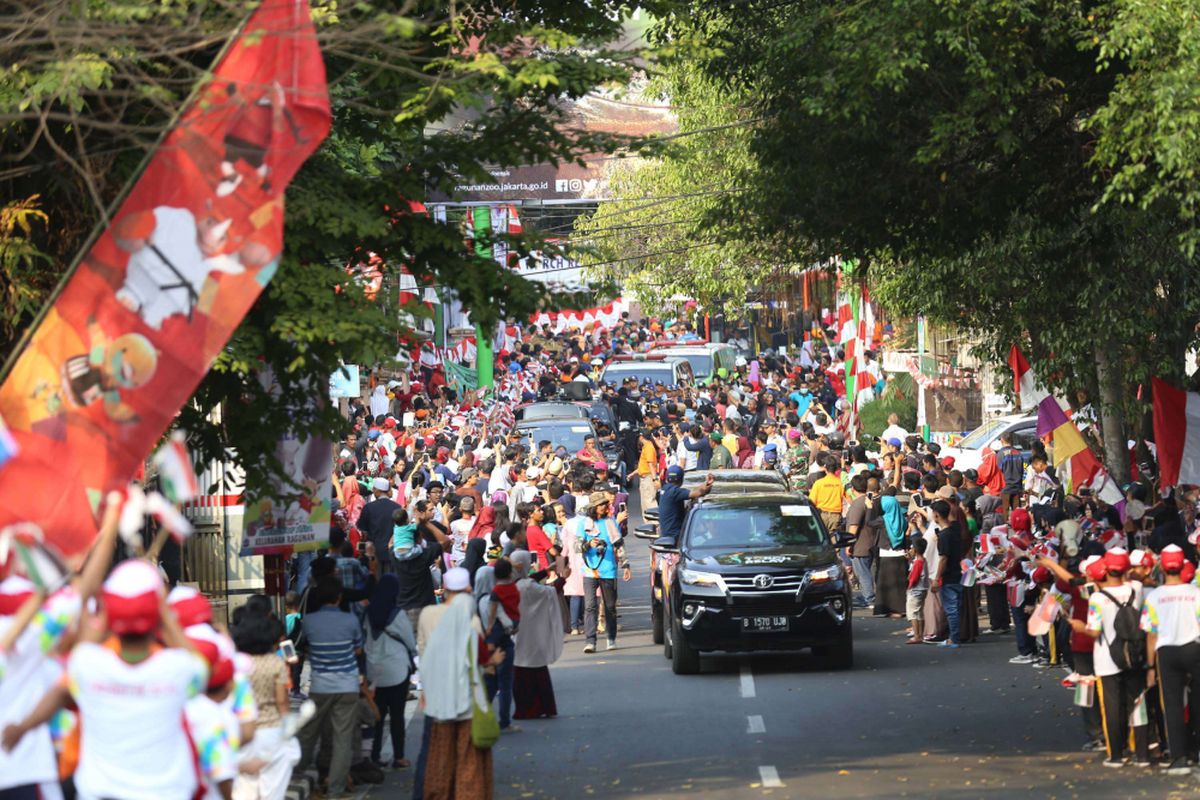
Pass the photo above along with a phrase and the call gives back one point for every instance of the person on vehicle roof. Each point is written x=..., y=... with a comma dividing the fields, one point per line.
x=673, y=498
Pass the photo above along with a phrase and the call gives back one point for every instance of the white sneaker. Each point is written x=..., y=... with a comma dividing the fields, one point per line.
x=1021, y=660
x=612, y=644
x=589, y=648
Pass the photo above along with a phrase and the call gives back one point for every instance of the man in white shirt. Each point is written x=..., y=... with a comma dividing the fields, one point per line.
x=460, y=529
x=893, y=429
x=28, y=671
x=129, y=678
x=1118, y=689
x=1171, y=620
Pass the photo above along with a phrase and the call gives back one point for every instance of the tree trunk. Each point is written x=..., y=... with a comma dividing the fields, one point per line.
x=1112, y=414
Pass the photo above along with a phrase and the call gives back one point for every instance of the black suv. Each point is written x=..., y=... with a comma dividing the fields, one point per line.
x=755, y=572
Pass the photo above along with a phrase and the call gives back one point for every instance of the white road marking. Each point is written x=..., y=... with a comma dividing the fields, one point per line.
x=754, y=724
x=747, y=684
x=770, y=778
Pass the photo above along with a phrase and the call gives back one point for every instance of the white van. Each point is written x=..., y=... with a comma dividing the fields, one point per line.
x=968, y=453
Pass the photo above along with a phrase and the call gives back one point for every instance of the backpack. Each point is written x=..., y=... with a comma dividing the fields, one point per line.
x=1012, y=466
x=1128, y=647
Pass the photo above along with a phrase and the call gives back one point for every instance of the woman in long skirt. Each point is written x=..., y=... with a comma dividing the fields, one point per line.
x=451, y=643
x=891, y=586
x=539, y=641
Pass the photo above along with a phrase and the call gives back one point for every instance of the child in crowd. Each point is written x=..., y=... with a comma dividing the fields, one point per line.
x=404, y=535
x=505, y=595
x=918, y=587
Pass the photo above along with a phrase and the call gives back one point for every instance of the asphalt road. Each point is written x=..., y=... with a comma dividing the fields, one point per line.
x=907, y=721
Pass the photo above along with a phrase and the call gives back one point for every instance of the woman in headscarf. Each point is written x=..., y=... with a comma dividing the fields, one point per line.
x=744, y=458
x=353, y=501
x=891, y=583
x=485, y=523
x=379, y=402
x=987, y=506
x=539, y=642
x=389, y=646
x=498, y=638
x=474, y=558
x=450, y=640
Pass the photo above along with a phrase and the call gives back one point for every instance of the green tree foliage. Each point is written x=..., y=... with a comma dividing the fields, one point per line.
x=971, y=153
x=92, y=85
x=658, y=237
x=23, y=282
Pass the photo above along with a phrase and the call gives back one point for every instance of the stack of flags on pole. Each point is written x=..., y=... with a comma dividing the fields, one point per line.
x=856, y=324
x=1076, y=464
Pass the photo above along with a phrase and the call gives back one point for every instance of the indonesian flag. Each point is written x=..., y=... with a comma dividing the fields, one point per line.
x=155, y=299
x=175, y=470
x=1025, y=385
x=1176, y=434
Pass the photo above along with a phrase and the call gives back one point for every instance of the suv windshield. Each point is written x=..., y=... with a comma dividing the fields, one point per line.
x=653, y=371
x=981, y=435
x=750, y=528
x=568, y=433
x=553, y=411
x=701, y=362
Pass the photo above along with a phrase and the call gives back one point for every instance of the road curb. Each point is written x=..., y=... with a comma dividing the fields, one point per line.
x=301, y=786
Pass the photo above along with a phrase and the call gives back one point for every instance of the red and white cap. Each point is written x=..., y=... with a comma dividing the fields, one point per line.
x=1117, y=560
x=131, y=596
x=218, y=650
x=1171, y=558
x=1020, y=520
x=190, y=607
x=14, y=591
x=1142, y=558
x=1112, y=538
x=1094, y=568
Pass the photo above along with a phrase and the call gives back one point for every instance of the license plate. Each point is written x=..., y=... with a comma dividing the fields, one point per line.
x=764, y=623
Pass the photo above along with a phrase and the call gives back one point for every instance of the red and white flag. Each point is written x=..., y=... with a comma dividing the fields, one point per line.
x=175, y=471
x=1176, y=434
x=1025, y=384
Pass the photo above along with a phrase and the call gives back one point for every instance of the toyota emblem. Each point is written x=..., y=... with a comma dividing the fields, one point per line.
x=763, y=581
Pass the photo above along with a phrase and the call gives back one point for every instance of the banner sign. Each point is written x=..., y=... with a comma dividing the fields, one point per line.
x=603, y=317
x=159, y=294
x=461, y=379
x=298, y=518
x=345, y=382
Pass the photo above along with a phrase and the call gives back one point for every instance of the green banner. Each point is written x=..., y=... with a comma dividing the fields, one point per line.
x=461, y=379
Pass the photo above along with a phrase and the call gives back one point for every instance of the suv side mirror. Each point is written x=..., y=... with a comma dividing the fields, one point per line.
x=646, y=532
x=843, y=539
x=664, y=544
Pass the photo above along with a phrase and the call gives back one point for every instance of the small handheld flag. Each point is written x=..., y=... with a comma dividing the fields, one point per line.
x=175, y=472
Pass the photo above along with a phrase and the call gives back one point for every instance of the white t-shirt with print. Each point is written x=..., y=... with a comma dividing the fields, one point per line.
x=132, y=716
x=214, y=733
x=1102, y=612
x=27, y=676
x=1173, y=613
x=459, y=530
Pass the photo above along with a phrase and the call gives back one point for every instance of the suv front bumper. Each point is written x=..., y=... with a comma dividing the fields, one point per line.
x=710, y=623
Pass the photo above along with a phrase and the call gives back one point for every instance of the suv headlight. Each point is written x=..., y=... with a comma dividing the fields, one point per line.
x=831, y=573
x=692, y=577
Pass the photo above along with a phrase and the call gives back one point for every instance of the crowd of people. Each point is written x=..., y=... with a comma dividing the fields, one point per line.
x=462, y=556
